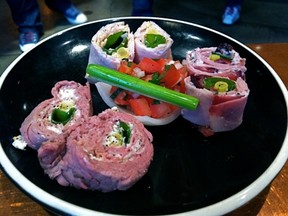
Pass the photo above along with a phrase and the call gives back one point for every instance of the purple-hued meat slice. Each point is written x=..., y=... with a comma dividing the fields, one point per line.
x=217, y=111
x=112, y=43
x=40, y=125
x=156, y=33
x=213, y=61
x=108, y=152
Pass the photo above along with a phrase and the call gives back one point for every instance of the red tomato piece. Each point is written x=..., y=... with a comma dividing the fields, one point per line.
x=183, y=71
x=149, y=65
x=172, y=77
x=182, y=86
x=173, y=107
x=113, y=89
x=127, y=67
x=140, y=107
x=160, y=110
x=121, y=98
x=162, y=63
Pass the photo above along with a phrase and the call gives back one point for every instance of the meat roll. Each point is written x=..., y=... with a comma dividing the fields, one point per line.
x=216, y=61
x=111, y=44
x=71, y=103
x=222, y=103
x=152, y=41
x=108, y=152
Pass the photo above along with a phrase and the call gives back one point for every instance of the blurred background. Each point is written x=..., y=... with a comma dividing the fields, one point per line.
x=261, y=21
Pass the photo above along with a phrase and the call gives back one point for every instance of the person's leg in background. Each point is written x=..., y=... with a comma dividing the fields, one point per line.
x=70, y=12
x=142, y=8
x=26, y=15
x=232, y=11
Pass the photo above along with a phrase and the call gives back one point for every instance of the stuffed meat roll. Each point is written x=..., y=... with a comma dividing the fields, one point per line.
x=216, y=61
x=222, y=103
x=71, y=103
x=152, y=41
x=111, y=44
x=108, y=152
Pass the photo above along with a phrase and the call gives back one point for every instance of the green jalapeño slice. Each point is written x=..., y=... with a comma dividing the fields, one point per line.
x=115, y=42
x=63, y=114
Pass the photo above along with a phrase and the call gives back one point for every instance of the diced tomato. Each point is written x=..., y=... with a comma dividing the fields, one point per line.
x=162, y=63
x=173, y=107
x=148, y=99
x=149, y=65
x=182, y=86
x=127, y=67
x=172, y=77
x=140, y=107
x=159, y=110
x=183, y=71
x=113, y=89
x=121, y=97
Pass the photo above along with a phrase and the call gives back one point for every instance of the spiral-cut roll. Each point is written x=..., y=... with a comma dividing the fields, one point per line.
x=112, y=43
x=108, y=152
x=222, y=103
x=221, y=61
x=71, y=103
x=152, y=41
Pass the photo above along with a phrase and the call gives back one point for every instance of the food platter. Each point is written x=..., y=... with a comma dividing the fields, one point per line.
x=190, y=174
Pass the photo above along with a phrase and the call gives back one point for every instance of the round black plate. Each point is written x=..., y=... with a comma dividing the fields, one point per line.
x=189, y=171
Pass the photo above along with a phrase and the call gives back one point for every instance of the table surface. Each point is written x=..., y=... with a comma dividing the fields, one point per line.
x=272, y=201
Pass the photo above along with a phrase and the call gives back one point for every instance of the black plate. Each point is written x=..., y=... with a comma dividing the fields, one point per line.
x=189, y=171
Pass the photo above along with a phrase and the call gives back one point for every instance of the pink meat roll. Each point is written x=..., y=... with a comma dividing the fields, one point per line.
x=108, y=152
x=217, y=111
x=70, y=104
x=112, y=43
x=145, y=36
x=221, y=61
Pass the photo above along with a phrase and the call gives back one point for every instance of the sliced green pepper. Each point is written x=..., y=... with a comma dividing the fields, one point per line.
x=62, y=117
x=125, y=132
x=153, y=40
x=116, y=41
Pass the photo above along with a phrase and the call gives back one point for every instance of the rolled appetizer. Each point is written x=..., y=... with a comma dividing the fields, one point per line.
x=216, y=61
x=222, y=103
x=112, y=43
x=71, y=103
x=152, y=41
x=108, y=152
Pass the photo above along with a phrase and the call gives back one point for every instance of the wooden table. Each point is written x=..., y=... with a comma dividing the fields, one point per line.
x=272, y=201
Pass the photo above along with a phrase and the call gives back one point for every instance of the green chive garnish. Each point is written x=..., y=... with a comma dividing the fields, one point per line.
x=115, y=78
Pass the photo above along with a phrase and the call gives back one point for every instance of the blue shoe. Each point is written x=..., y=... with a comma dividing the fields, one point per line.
x=27, y=40
x=231, y=15
x=74, y=16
